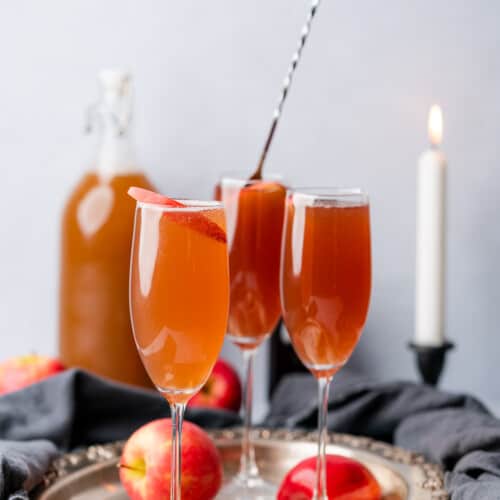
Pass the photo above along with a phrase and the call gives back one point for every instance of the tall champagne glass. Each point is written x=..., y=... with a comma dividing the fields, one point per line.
x=325, y=282
x=254, y=215
x=179, y=299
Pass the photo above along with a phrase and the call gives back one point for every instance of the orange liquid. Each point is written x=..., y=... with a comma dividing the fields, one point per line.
x=326, y=281
x=94, y=321
x=179, y=296
x=255, y=220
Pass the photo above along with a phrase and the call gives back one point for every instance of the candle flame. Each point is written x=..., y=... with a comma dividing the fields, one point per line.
x=435, y=125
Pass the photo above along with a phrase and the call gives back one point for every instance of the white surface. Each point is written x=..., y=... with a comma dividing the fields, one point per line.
x=430, y=249
x=207, y=76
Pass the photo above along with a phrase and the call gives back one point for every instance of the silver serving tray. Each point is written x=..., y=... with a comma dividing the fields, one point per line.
x=92, y=474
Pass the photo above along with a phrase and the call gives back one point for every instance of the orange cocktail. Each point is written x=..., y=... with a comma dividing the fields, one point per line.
x=254, y=211
x=179, y=293
x=179, y=299
x=254, y=214
x=326, y=279
x=325, y=286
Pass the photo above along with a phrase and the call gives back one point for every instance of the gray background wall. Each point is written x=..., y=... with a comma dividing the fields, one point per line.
x=207, y=77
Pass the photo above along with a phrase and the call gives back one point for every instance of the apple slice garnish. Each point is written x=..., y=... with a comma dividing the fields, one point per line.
x=195, y=220
x=147, y=196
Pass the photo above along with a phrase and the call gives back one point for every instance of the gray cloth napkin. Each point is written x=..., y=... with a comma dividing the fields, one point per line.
x=454, y=430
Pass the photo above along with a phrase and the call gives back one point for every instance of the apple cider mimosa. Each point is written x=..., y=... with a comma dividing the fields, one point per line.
x=325, y=284
x=179, y=294
x=326, y=280
x=179, y=299
x=254, y=215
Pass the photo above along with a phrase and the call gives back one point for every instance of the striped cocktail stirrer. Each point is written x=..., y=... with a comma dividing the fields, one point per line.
x=286, y=87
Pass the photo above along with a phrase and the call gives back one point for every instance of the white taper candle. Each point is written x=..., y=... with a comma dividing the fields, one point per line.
x=431, y=238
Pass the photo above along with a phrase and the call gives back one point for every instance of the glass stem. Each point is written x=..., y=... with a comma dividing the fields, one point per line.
x=320, y=491
x=177, y=412
x=248, y=467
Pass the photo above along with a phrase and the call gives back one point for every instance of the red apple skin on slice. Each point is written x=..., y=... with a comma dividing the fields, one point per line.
x=145, y=463
x=200, y=223
x=346, y=479
x=195, y=220
x=147, y=196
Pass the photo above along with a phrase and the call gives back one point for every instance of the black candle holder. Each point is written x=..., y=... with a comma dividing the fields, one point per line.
x=430, y=360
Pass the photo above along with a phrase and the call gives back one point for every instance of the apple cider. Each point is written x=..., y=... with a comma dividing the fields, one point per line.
x=326, y=280
x=94, y=320
x=179, y=294
x=254, y=211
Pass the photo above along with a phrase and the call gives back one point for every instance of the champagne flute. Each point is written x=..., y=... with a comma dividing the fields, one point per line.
x=325, y=280
x=179, y=299
x=254, y=215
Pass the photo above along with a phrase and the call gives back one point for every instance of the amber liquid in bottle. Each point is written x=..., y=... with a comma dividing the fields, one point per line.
x=94, y=322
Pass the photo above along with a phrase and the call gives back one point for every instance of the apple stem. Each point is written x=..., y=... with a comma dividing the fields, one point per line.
x=125, y=466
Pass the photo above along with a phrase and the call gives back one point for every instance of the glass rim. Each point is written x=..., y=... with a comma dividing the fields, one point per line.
x=191, y=205
x=244, y=179
x=331, y=193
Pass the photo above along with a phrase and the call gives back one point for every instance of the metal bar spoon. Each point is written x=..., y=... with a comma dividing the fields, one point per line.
x=257, y=175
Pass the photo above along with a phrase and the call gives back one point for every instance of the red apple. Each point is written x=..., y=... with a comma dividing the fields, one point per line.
x=222, y=389
x=347, y=479
x=18, y=372
x=145, y=463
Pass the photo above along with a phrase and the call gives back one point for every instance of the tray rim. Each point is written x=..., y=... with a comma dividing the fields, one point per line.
x=433, y=474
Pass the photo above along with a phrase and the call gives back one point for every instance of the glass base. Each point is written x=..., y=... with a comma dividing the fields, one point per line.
x=253, y=488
